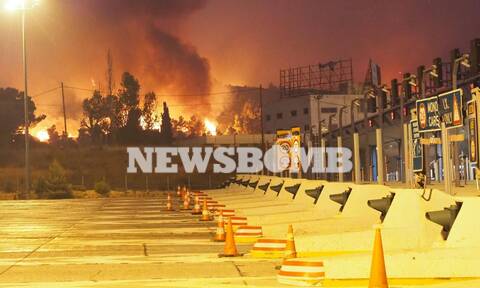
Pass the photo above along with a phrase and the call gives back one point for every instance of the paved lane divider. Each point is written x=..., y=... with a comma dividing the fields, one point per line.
x=225, y=212
x=248, y=234
x=238, y=221
x=268, y=248
x=301, y=272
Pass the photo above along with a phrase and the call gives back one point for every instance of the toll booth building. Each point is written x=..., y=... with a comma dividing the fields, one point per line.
x=325, y=111
x=306, y=112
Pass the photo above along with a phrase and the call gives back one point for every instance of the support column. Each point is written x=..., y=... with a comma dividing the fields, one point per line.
x=340, y=169
x=380, y=159
x=406, y=153
x=323, y=175
x=447, y=180
x=356, y=158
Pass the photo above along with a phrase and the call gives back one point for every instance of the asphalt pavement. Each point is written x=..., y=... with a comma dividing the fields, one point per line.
x=119, y=242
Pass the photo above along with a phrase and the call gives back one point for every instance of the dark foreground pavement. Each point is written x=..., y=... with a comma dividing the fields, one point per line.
x=116, y=243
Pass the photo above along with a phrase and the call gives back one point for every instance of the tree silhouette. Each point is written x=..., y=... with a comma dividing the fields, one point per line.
x=148, y=110
x=129, y=93
x=129, y=99
x=12, y=113
x=166, y=129
x=94, y=116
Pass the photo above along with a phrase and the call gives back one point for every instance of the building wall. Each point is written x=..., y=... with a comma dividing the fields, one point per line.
x=228, y=140
x=306, y=112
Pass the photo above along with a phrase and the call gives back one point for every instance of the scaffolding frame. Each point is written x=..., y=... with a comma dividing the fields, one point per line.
x=333, y=77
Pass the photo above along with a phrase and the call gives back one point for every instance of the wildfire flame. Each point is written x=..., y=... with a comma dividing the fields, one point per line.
x=42, y=136
x=210, y=127
x=156, y=125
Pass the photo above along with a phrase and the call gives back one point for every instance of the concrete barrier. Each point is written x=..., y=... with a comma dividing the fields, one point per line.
x=235, y=189
x=246, y=195
x=325, y=216
x=414, y=246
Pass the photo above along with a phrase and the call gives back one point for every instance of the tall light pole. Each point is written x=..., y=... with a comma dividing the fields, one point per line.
x=408, y=82
x=355, y=103
x=463, y=60
x=21, y=5
x=369, y=94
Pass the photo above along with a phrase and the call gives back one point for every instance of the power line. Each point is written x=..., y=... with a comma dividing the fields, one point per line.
x=241, y=91
x=82, y=89
x=46, y=91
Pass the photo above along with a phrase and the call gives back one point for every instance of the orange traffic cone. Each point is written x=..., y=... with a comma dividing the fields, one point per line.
x=169, y=203
x=230, y=249
x=290, y=251
x=378, y=274
x=196, y=207
x=205, y=212
x=220, y=232
x=186, y=202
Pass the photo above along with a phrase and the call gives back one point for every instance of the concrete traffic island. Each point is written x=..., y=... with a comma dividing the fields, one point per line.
x=408, y=218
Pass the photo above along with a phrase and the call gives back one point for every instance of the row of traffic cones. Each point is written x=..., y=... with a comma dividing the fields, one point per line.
x=186, y=196
x=225, y=233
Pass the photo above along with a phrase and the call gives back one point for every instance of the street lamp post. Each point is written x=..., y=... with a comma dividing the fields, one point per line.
x=407, y=81
x=431, y=73
x=367, y=95
x=340, y=119
x=460, y=61
x=355, y=102
x=25, y=108
x=21, y=5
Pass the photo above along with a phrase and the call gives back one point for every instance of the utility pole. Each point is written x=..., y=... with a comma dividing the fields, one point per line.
x=64, y=114
x=25, y=108
x=367, y=146
x=261, y=124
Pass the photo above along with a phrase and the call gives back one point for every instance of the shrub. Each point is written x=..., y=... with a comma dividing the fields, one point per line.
x=55, y=185
x=102, y=187
x=79, y=188
x=41, y=187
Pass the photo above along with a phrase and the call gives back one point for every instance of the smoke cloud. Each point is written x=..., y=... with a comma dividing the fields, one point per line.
x=144, y=37
x=163, y=61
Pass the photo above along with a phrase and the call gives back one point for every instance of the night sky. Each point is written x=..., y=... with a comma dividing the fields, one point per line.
x=197, y=47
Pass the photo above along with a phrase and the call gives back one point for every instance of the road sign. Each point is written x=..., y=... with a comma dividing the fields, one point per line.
x=417, y=149
x=450, y=108
x=295, y=153
x=283, y=153
x=456, y=138
x=472, y=131
x=428, y=115
x=430, y=141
